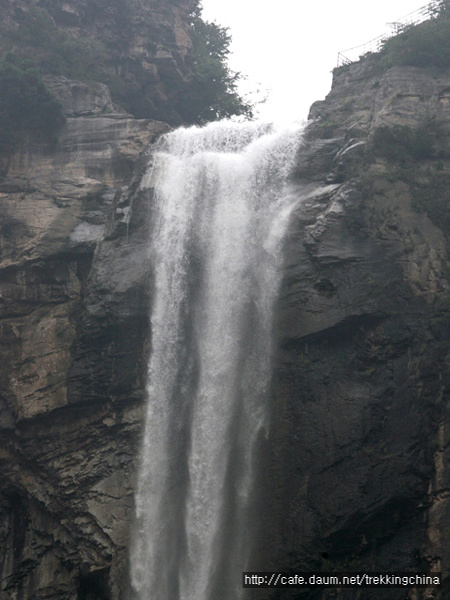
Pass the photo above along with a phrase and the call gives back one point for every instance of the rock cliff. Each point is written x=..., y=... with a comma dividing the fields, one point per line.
x=143, y=45
x=74, y=333
x=359, y=444
x=356, y=471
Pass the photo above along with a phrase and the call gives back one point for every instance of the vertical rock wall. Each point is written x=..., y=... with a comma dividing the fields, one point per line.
x=358, y=448
x=147, y=44
x=74, y=332
x=356, y=460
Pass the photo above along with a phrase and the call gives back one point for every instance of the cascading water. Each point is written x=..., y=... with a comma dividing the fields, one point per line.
x=221, y=207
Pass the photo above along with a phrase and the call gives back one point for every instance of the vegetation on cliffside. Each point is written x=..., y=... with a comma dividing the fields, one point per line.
x=27, y=109
x=412, y=150
x=424, y=45
x=39, y=42
x=213, y=93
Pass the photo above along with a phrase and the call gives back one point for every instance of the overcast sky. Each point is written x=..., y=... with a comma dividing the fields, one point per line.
x=289, y=47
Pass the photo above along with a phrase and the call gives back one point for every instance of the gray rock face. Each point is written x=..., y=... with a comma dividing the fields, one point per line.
x=74, y=308
x=82, y=99
x=355, y=472
x=355, y=464
x=147, y=44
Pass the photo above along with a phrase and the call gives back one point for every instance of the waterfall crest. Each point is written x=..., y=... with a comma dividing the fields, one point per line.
x=221, y=208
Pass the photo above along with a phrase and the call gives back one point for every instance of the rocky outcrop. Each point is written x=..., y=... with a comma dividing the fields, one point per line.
x=146, y=44
x=355, y=470
x=74, y=331
x=360, y=404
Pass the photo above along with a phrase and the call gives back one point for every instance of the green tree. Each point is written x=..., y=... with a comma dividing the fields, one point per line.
x=213, y=92
x=210, y=95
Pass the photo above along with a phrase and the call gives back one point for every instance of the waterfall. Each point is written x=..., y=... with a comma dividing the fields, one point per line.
x=221, y=206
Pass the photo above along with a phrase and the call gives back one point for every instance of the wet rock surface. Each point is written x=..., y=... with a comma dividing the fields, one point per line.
x=74, y=334
x=355, y=464
x=357, y=478
x=147, y=44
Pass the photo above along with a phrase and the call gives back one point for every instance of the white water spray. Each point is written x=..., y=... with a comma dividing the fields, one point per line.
x=221, y=208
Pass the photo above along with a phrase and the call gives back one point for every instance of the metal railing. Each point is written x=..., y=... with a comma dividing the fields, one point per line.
x=346, y=57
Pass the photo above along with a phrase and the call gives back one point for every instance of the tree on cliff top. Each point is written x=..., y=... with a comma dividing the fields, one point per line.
x=213, y=92
x=210, y=94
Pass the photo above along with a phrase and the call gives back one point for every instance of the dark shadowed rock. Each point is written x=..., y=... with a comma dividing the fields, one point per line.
x=355, y=465
x=75, y=302
x=146, y=45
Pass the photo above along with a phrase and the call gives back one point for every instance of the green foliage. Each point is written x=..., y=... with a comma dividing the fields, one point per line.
x=27, y=107
x=423, y=45
x=53, y=52
x=213, y=92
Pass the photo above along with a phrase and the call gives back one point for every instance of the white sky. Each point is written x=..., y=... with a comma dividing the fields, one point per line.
x=289, y=47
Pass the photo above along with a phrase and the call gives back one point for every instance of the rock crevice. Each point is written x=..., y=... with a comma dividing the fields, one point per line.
x=354, y=471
